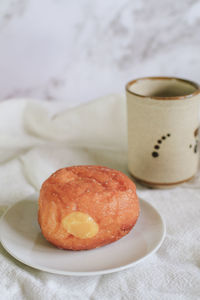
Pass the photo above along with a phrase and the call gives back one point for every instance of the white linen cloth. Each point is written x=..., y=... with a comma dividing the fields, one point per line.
x=38, y=138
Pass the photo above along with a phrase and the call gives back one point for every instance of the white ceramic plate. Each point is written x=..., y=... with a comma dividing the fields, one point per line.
x=21, y=237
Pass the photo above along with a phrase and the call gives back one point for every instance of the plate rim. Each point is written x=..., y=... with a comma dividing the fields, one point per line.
x=85, y=273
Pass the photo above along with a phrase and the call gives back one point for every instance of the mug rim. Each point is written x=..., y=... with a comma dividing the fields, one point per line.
x=194, y=84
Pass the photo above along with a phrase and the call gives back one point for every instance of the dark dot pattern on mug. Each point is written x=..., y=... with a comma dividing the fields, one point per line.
x=194, y=147
x=196, y=132
x=157, y=147
x=155, y=154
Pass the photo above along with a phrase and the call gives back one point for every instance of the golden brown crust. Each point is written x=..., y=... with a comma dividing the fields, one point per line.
x=107, y=195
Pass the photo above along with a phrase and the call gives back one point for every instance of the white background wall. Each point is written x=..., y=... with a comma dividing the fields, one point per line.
x=78, y=50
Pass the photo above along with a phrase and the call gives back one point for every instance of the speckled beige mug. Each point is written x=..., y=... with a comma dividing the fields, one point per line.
x=163, y=121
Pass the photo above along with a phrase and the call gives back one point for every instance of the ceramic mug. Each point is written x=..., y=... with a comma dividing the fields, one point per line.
x=163, y=121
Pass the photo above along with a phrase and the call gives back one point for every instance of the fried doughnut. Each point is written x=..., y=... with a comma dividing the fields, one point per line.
x=84, y=207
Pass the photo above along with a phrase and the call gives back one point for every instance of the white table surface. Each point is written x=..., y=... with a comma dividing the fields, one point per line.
x=36, y=140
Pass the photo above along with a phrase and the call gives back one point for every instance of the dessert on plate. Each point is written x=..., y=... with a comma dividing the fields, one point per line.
x=85, y=207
